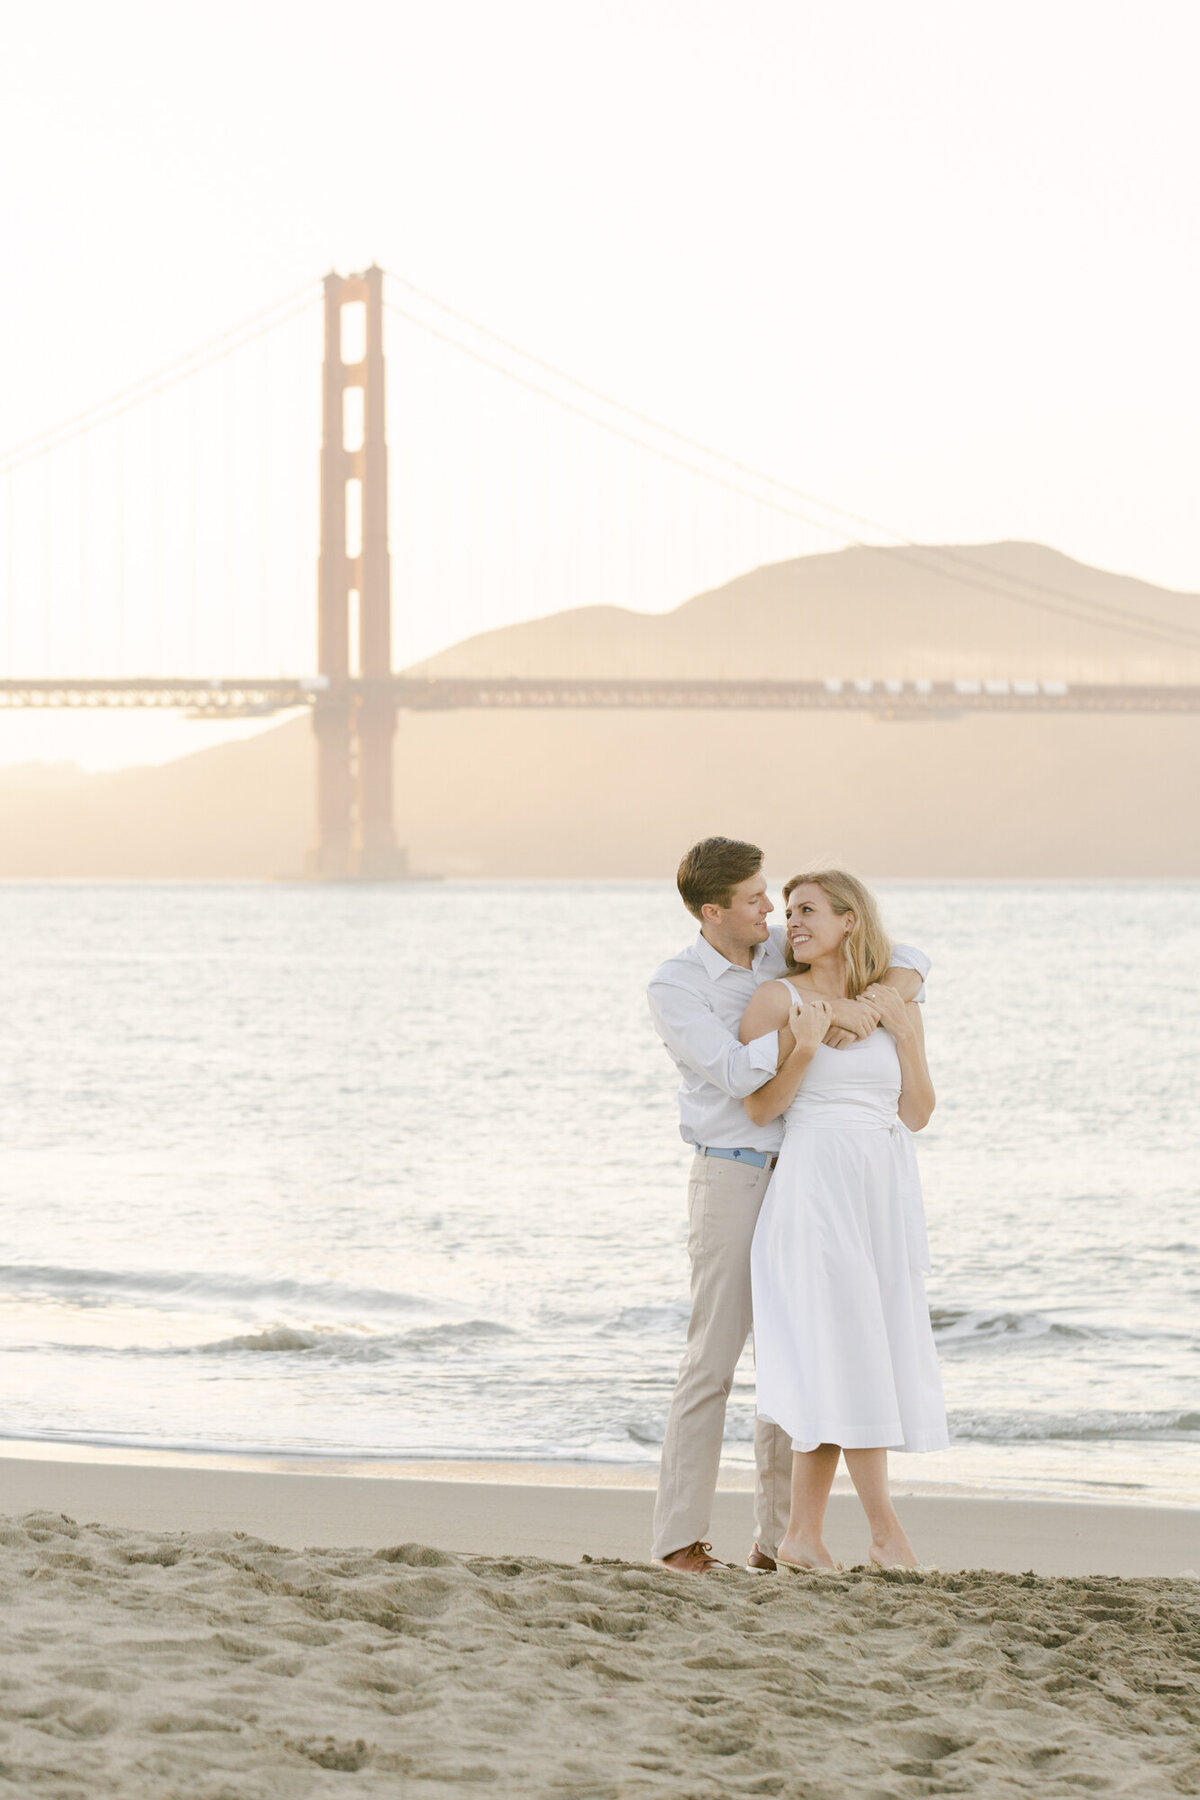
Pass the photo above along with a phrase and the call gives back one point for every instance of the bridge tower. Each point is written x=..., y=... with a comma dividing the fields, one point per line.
x=354, y=717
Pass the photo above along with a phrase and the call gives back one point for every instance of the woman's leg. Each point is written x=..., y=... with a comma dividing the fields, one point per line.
x=812, y=1477
x=889, y=1541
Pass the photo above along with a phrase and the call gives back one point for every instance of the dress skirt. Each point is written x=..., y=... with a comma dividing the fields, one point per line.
x=843, y=1343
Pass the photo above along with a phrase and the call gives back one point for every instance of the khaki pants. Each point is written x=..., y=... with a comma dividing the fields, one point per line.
x=723, y=1202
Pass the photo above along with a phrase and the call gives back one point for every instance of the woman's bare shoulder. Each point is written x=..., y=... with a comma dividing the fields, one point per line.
x=788, y=990
x=766, y=1010
x=775, y=991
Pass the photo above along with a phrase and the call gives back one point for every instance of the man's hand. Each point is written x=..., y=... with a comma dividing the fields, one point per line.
x=852, y=1021
x=893, y=1012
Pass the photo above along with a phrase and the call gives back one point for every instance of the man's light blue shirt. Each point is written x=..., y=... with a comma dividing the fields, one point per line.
x=696, y=1001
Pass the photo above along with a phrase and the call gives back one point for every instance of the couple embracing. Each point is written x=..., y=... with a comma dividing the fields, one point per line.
x=803, y=1072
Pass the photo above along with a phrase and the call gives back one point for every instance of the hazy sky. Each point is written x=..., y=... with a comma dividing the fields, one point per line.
x=935, y=262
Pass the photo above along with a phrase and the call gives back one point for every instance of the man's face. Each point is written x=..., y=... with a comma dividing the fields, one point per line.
x=744, y=920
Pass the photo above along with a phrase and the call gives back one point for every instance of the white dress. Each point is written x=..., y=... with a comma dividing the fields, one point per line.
x=843, y=1345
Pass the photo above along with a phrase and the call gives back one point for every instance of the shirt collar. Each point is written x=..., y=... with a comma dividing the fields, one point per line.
x=715, y=965
x=763, y=949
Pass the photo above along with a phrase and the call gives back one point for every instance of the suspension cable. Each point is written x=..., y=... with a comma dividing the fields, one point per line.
x=147, y=387
x=1095, y=612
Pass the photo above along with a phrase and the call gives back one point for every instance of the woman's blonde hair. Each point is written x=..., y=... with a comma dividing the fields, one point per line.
x=868, y=949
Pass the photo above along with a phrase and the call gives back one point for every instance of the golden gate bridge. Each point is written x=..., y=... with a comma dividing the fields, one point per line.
x=355, y=694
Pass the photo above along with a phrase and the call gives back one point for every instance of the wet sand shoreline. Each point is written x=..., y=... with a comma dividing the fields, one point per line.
x=518, y=1511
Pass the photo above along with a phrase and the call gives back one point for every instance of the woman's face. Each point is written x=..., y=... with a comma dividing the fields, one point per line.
x=813, y=928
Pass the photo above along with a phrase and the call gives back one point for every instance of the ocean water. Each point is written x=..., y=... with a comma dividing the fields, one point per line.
x=394, y=1172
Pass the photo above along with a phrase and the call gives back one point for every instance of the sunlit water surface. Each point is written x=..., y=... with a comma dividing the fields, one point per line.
x=394, y=1172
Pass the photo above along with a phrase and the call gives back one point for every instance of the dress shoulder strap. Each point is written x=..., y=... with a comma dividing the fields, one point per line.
x=793, y=997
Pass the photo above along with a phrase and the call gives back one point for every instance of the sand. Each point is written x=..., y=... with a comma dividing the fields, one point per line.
x=204, y=1663
x=214, y=1666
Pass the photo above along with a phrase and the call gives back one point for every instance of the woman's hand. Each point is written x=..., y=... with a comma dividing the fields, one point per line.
x=893, y=1009
x=809, y=1023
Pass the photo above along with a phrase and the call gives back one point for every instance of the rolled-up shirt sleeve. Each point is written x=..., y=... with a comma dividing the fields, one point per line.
x=905, y=957
x=697, y=1038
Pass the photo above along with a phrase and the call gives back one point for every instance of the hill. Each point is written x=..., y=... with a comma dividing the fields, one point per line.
x=618, y=794
x=999, y=610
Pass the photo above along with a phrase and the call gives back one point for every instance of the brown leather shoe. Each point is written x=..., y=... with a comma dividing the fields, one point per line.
x=693, y=1559
x=759, y=1563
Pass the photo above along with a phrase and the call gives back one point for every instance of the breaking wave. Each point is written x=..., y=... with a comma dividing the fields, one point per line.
x=329, y=1343
x=98, y=1287
x=984, y=1325
x=1096, y=1427
x=348, y=1346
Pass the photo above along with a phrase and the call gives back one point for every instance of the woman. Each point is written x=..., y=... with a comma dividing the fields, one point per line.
x=842, y=1339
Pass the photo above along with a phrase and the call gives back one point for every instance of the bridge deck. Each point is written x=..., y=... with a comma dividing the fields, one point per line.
x=246, y=697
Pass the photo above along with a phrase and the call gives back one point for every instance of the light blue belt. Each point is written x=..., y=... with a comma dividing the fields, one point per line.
x=761, y=1159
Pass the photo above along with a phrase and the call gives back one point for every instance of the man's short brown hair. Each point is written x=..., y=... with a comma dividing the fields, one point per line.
x=712, y=869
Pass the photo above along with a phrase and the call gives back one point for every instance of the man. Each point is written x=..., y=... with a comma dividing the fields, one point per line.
x=696, y=1001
